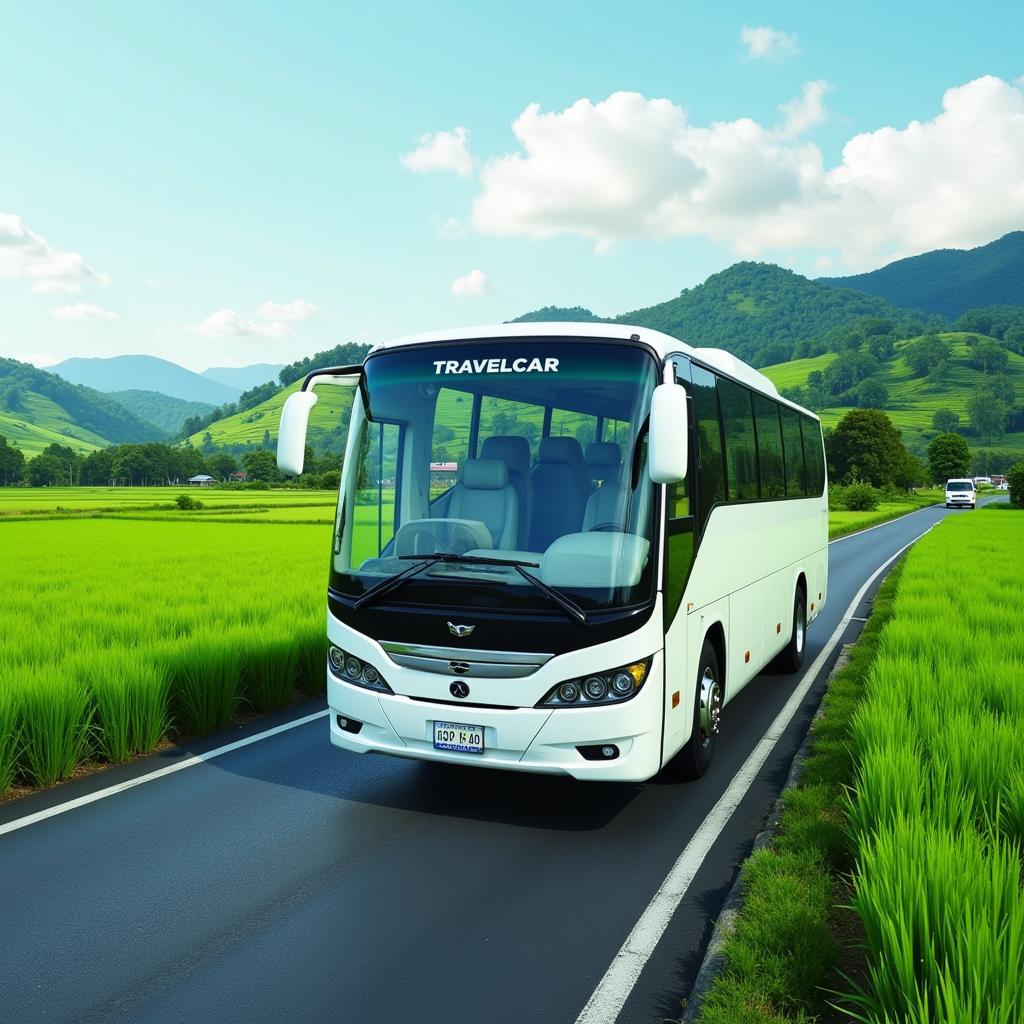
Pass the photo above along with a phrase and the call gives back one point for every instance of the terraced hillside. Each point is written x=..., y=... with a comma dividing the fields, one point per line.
x=913, y=400
x=39, y=408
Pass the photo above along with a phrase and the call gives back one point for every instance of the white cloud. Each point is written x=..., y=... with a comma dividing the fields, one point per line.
x=84, y=311
x=473, y=283
x=766, y=43
x=226, y=323
x=441, y=151
x=632, y=167
x=452, y=227
x=23, y=253
x=279, y=311
x=806, y=111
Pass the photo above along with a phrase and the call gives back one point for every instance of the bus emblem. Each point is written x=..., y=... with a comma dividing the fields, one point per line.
x=459, y=689
x=456, y=630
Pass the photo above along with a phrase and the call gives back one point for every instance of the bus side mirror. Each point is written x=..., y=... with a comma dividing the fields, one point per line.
x=291, y=435
x=668, y=439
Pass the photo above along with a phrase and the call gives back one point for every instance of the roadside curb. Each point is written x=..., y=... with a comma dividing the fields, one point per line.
x=714, y=962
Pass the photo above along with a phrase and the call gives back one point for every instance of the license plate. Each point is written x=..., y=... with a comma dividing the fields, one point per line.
x=466, y=739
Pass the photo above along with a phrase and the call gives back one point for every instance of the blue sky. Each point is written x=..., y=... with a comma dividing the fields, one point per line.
x=223, y=184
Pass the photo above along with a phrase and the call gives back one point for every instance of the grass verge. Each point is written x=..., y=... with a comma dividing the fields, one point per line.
x=841, y=523
x=784, y=949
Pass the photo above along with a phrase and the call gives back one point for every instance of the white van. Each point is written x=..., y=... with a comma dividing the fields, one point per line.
x=960, y=493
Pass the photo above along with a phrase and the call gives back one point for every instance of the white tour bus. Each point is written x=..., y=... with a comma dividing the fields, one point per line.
x=562, y=547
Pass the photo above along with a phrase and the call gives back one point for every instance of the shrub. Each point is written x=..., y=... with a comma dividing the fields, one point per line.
x=890, y=492
x=187, y=503
x=836, y=498
x=861, y=497
x=1015, y=478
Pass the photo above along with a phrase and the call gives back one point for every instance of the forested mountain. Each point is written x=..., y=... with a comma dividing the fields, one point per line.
x=145, y=373
x=761, y=313
x=566, y=314
x=949, y=281
x=243, y=377
x=166, y=412
x=757, y=311
x=38, y=408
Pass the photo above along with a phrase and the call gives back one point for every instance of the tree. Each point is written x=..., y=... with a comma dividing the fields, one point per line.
x=97, y=467
x=912, y=473
x=882, y=346
x=871, y=394
x=12, y=462
x=1015, y=478
x=927, y=354
x=815, y=389
x=261, y=465
x=866, y=446
x=989, y=357
x=222, y=465
x=989, y=414
x=45, y=470
x=945, y=421
x=949, y=455
x=1013, y=339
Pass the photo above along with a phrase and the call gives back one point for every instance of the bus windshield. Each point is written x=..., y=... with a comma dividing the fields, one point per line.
x=530, y=451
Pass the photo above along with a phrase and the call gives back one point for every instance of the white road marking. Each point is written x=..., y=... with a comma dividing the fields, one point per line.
x=101, y=794
x=614, y=988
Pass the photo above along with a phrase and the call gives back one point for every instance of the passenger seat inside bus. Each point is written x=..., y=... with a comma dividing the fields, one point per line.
x=608, y=503
x=515, y=453
x=485, y=494
x=560, y=491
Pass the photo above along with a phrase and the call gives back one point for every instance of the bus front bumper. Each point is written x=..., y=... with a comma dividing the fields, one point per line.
x=518, y=739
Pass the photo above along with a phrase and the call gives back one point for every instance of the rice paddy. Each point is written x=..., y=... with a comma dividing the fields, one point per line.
x=117, y=631
x=936, y=812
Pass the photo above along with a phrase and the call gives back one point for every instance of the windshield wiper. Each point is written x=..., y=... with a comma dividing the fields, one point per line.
x=386, y=586
x=567, y=604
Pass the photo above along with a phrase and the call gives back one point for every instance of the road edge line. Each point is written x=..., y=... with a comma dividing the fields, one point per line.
x=120, y=787
x=607, y=1000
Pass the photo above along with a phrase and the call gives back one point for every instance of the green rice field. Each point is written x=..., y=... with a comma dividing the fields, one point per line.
x=937, y=808
x=118, y=631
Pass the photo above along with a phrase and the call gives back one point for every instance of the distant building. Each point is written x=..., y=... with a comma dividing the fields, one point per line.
x=239, y=477
x=202, y=480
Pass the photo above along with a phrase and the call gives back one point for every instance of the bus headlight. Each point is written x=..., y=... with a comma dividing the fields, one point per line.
x=350, y=669
x=598, y=688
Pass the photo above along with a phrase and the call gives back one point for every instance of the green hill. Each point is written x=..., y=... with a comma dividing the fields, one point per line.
x=563, y=314
x=949, y=281
x=757, y=311
x=248, y=427
x=164, y=411
x=914, y=400
x=38, y=408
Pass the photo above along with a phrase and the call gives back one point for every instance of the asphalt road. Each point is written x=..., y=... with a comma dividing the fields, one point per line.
x=289, y=881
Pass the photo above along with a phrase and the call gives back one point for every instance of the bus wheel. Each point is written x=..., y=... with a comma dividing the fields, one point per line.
x=695, y=758
x=791, y=658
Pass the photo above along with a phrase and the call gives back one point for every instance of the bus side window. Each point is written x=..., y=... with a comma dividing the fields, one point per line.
x=679, y=495
x=814, y=455
x=738, y=420
x=769, y=448
x=709, y=437
x=796, y=474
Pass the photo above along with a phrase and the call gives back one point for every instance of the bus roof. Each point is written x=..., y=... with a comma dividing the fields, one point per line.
x=663, y=344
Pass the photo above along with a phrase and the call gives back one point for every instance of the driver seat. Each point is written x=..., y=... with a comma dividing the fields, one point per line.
x=485, y=494
x=608, y=503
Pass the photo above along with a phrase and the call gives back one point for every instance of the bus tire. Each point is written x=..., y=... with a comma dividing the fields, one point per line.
x=791, y=657
x=695, y=758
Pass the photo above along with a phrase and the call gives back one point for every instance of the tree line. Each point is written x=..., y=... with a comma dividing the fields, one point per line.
x=152, y=464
